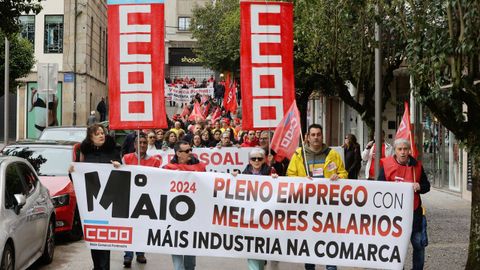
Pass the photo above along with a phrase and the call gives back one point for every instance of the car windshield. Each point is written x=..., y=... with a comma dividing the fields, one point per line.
x=55, y=134
x=46, y=161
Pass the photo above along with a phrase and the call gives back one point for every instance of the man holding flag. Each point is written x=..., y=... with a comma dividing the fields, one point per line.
x=321, y=160
x=403, y=167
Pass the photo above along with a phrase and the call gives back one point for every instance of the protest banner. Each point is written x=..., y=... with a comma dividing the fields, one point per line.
x=185, y=95
x=292, y=219
x=223, y=159
x=136, y=64
x=266, y=62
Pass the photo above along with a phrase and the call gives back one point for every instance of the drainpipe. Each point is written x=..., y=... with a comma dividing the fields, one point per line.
x=75, y=66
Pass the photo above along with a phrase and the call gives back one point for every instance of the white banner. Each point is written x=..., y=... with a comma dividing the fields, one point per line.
x=347, y=222
x=224, y=159
x=185, y=95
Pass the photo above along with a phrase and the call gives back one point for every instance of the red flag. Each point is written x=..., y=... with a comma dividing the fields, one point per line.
x=197, y=113
x=136, y=66
x=266, y=62
x=216, y=114
x=287, y=134
x=185, y=111
x=230, y=98
x=206, y=109
x=405, y=130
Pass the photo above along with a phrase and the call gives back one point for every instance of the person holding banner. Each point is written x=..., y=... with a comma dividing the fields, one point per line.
x=145, y=160
x=257, y=166
x=402, y=167
x=184, y=161
x=323, y=162
x=99, y=148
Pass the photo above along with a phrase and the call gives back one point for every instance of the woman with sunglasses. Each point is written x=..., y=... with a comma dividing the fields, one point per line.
x=257, y=166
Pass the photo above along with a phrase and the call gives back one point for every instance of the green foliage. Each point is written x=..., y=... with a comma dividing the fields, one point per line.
x=21, y=61
x=443, y=48
x=335, y=42
x=217, y=29
x=11, y=9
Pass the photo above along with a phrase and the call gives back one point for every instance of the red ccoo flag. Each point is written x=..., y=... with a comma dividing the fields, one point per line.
x=216, y=114
x=405, y=130
x=230, y=98
x=197, y=113
x=287, y=134
x=185, y=111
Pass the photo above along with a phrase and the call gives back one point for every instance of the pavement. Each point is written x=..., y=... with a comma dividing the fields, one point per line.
x=448, y=227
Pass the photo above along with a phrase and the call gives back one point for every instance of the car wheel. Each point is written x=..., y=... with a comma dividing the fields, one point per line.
x=49, y=247
x=8, y=258
x=77, y=232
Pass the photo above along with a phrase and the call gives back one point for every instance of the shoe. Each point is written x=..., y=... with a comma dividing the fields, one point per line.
x=141, y=259
x=127, y=262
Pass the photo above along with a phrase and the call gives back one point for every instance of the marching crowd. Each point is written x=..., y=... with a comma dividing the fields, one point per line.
x=214, y=127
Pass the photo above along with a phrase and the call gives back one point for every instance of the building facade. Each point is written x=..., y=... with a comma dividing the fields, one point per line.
x=73, y=35
x=180, y=59
x=445, y=161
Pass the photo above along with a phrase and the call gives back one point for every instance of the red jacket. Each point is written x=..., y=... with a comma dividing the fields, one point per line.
x=193, y=166
x=395, y=172
x=131, y=159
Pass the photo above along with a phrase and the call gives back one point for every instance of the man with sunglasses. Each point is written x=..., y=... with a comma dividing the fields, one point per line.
x=184, y=161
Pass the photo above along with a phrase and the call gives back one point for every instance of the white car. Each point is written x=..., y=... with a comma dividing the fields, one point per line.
x=27, y=217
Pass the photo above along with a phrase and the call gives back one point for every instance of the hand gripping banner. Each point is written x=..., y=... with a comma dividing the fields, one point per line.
x=266, y=62
x=136, y=64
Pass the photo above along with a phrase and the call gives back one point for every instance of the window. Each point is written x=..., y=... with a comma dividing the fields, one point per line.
x=53, y=39
x=184, y=23
x=28, y=27
x=29, y=177
x=13, y=185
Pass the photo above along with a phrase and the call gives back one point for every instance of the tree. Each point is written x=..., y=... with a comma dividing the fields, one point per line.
x=11, y=9
x=443, y=47
x=335, y=42
x=217, y=29
x=21, y=61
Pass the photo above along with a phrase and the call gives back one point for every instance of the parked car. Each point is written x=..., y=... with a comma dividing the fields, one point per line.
x=64, y=133
x=27, y=217
x=51, y=160
x=78, y=133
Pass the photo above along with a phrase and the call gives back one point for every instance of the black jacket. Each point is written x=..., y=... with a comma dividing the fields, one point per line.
x=264, y=170
x=353, y=161
x=103, y=154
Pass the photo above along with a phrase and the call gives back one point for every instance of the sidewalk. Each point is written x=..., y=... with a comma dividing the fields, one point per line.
x=448, y=231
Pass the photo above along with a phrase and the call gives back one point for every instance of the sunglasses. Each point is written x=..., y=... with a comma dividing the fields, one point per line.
x=256, y=158
x=151, y=137
x=185, y=151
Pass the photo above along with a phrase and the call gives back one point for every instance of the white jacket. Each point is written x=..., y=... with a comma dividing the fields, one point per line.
x=367, y=155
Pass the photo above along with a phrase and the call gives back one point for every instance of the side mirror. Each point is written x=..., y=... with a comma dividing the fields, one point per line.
x=21, y=201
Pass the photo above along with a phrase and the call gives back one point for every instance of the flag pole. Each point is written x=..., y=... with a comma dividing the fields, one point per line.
x=307, y=171
x=138, y=145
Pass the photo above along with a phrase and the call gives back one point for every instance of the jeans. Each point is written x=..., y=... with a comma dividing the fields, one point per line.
x=418, y=257
x=255, y=264
x=309, y=266
x=129, y=254
x=101, y=259
x=183, y=262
